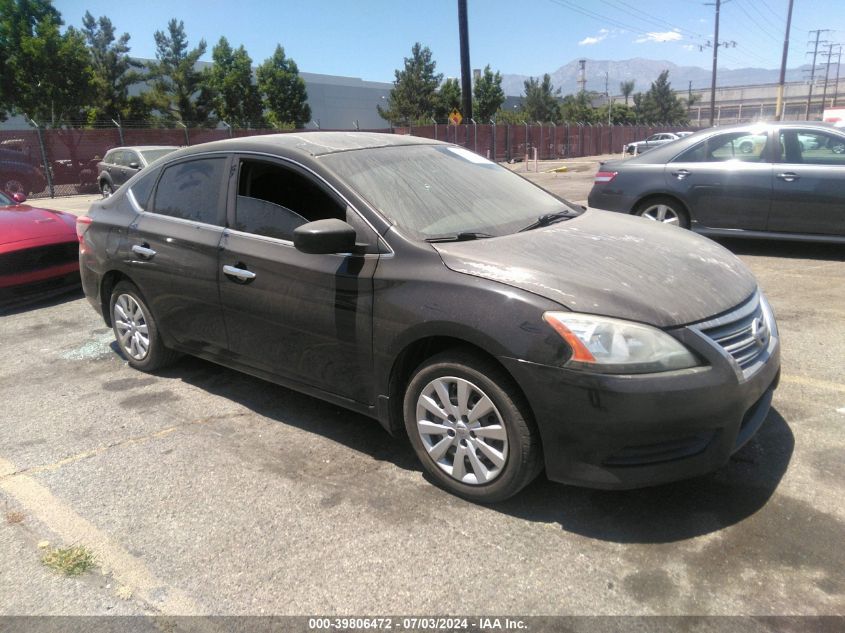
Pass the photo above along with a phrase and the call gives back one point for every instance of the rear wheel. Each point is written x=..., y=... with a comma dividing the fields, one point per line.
x=106, y=189
x=471, y=428
x=15, y=185
x=663, y=210
x=135, y=329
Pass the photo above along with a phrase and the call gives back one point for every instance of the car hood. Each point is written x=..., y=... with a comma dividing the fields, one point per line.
x=613, y=265
x=23, y=222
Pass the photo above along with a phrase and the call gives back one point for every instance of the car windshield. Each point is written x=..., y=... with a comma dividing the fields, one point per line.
x=435, y=191
x=5, y=200
x=151, y=155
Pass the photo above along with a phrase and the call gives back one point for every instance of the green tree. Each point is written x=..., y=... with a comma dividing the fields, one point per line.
x=578, y=108
x=114, y=71
x=487, y=94
x=660, y=104
x=235, y=97
x=541, y=100
x=178, y=90
x=626, y=88
x=513, y=116
x=283, y=91
x=413, y=96
x=620, y=114
x=448, y=99
x=43, y=73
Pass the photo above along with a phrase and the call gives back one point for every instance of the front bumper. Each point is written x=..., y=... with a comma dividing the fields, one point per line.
x=618, y=432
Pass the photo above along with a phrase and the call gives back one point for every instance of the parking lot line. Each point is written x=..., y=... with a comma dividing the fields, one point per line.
x=814, y=382
x=38, y=501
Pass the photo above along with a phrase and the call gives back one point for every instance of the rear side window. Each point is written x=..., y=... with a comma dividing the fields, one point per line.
x=143, y=187
x=737, y=146
x=191, y=190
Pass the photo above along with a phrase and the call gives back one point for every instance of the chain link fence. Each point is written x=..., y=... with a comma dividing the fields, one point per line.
x=52, y=162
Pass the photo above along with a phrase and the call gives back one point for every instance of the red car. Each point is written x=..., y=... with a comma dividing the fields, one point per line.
x=39, y=252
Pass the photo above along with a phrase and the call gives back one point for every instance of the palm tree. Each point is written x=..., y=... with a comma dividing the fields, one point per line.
x=626, y=88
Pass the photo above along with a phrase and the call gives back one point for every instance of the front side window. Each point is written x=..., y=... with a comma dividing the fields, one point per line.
x=274, y=200
x=434, y=191
x=192, y=190
x=736, y=146
x=131, y=157
x=811, y=147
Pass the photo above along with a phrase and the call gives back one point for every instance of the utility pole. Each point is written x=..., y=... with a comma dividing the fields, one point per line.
x=466, y=77
x=779, y=107
x=829, y=54
x=607, y=95
x=836, y=87
x=818, y=33
x=715, y=44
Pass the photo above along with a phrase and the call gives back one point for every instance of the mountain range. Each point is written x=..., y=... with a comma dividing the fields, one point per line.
x=644, y=71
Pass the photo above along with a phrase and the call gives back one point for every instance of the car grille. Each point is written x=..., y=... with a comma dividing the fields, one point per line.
x=743, y=333
x=32, y=259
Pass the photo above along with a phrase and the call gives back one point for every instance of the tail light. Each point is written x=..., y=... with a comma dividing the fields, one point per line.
x=605, y=176
x=82, y=224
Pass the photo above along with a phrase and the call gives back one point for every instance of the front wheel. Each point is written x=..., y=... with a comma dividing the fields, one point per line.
x=665, y=211
x=135, y=329
x=471, y=428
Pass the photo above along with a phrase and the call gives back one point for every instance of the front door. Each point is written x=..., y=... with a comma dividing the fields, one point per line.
x=306, y=318
x=725, y=180
x=809, y=183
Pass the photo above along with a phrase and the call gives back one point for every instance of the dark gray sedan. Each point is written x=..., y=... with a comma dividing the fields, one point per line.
x=759, y=180
x=498, y=328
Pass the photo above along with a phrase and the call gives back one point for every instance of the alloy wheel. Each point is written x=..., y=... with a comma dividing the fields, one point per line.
x=661, y=213
x=462, y=430
x=131, y=325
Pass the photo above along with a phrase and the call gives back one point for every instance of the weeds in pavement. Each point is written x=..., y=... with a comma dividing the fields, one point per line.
x=70, y=561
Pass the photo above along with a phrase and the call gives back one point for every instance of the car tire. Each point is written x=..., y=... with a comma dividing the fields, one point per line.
x=106, y=189
x=136, y=331
x=506, y=454
x=665, y=210
x=838, y=148
x=16, y=185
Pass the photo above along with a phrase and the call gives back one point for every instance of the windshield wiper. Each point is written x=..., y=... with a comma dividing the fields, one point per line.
x=549, y=218
x=460, y=237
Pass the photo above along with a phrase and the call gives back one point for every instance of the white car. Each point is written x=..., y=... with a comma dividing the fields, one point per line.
x=653, y=141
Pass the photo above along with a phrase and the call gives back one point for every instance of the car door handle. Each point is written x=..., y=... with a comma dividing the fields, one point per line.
x=241, y=274
x=143, y=250
x=789, y=176
x=681, y=173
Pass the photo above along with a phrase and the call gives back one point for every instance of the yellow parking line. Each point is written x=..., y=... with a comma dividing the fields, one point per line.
x=37, y=500
x=814, y=382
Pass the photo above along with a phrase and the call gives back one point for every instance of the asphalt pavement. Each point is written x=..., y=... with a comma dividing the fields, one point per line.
x=205, y=491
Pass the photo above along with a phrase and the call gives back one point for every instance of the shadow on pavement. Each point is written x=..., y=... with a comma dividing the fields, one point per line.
x=780, y=248
x=46, y=300
x=667, y=513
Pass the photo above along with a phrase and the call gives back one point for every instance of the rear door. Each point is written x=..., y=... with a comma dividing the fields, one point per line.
x=172, y=250
x=305, y=317
x=809, y=183
x=725, y=181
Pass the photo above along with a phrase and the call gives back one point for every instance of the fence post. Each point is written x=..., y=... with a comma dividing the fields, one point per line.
x=119, y=130
x=433, y=120
x=554, y=139
x=539, y=143
x=508, y=147
x=228, y=127
x=47, y=171
x=185, y=127
x=493, y=128
x=474, y=135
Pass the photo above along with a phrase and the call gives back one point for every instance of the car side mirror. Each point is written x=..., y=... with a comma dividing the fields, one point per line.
x=134, y=165
x=323, y=237
x=18, y=197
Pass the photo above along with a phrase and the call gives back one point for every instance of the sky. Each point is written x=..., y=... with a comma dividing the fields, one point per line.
x=370, y=38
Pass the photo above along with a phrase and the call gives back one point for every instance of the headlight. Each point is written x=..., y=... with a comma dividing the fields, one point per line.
x=614, y=346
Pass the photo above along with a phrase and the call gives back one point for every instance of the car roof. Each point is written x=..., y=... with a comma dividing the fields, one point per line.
x=307, y=144
x=142, y=148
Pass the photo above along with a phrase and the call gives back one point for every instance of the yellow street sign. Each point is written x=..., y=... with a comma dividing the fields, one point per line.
x=455, y=117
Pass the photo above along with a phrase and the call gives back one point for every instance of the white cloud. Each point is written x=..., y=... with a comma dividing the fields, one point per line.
x=660, y=36
x=594, y=39
x=689, y=47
